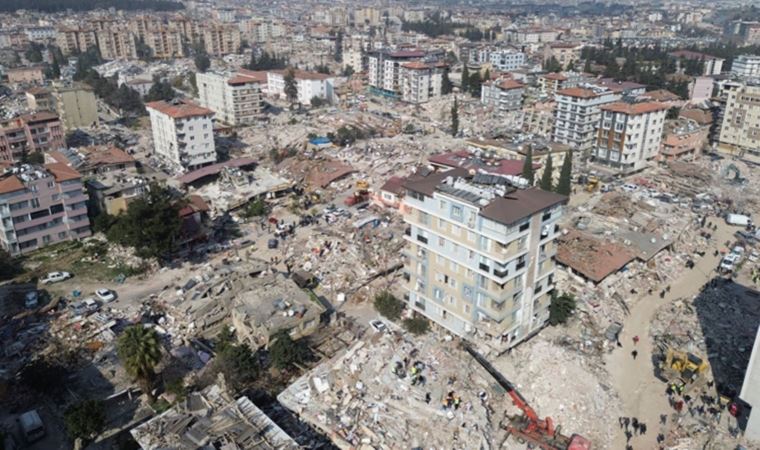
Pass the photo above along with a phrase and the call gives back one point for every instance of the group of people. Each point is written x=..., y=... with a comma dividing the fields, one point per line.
x=637, y=428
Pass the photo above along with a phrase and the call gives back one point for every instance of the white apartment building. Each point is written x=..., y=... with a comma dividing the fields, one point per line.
x=503, y=94
x=746, y=66
x=309, y=84
x=183, y=134
x=629, y=135
x=505, y=60
x=577, y=114
x=480, y=254
x=353, y=58
x=740, y=129
x=40, y=34
x=235, y=99
x=384, y=69
x=421, y=81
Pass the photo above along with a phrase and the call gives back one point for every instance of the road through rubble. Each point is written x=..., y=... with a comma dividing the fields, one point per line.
x=642, y=394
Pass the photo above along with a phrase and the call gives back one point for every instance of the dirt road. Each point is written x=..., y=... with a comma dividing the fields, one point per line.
x=642, y=394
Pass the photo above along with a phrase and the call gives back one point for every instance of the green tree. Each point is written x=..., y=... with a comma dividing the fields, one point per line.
x=139, y=349
x=202, y=62
x=561, y=308
x=224, y=339
x=475, y=84
x=417, y=325
x=565, y=175
x=285, y=352
x=465, y=79
x=348, y=71
x=238, y=364
x=161, y=90
x=527, y=171
x=571, y=66
x=55, y=70
x=144, y=52
x=455, y=118
x=487, y=75
x=388, y=305
x=552, y=65
x=446, y=85
x=546, y=177
x=151, y=224
x=338, y=53
x=587, y=66
x=85, y=420
x=256, y=208
x=291, y=88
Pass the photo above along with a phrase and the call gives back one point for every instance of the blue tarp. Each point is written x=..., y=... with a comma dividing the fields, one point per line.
x=319, y=140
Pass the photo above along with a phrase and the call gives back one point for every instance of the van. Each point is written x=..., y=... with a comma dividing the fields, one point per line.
x=32, y=427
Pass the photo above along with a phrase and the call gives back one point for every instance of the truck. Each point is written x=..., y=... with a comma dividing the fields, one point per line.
x=738, y=220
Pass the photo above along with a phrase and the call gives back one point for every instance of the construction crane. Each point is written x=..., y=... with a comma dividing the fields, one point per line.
x=528, y=427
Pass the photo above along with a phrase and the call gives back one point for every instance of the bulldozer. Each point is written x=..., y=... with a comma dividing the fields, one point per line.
x=683, y=369
x=592, y=183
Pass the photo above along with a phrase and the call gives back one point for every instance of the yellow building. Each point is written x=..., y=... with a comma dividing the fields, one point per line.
x=76, y=105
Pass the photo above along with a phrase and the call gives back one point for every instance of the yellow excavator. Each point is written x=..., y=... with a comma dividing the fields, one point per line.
x=684, y=370
x=592, y=184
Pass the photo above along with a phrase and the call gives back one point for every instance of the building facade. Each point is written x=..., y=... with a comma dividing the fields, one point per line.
x=164, y=42
x=183, y=134
x=683, y=139
x=30, y=133
x=629, y=135
x=503, y=94
x=308, y=84
x=746, y=66
x=236, y=100
x=76, y=105
x=577, y=114
x=740, y=128
x=25, y=75
x=75, y=40
x=480, y=254
x=506, y=60
x=384, y=69
x=420, y=81
x=221, y=39
x=117, y=43
x=41, y=205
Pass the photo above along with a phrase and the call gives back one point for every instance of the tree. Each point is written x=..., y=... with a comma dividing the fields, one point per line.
x=388, y=305
x=552, y=65
x=224, y=339
x=465, y=79
x=527, y=170
x=85, y=420
x=144, y=52
x=55, y=69
x=9, y=266
x=256, y=208
x=202, y=62
x=546, y=177
x=34, y=54
x=285, y=352
x=161, y=90
x=417, y=325
x=348, y=71
x=565, y=174
x=455, y=118
x=151, y=224
x=673, y=113
x=338, y=54
x=487, y=75
x=571, y=66
x=561, y=308
x=446, y=85
x=291, y=88
x=475, y=84
x=587, y=66
x=139, y=349
x=238, y=364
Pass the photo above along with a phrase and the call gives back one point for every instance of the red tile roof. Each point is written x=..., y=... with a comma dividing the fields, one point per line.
x=555, y=76
x=510, y=84
x=593, y=258
x=578, y=92
x=214, y=169
x=179, y=110
x=258, y=75
x=633, y=109
x=10, y=184
x=417, y=65
x=62, y=172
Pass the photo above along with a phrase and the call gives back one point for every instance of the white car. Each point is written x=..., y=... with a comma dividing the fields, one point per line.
x=629, y=187
x=378, y=326
x=55, y=277
x=85, y=307
x=106, y=295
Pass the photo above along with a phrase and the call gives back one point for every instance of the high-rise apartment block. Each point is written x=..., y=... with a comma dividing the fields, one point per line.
x=164, y=42
x=421, y=81
x=38, y=132
x=117, y=43
x=746, y=66
x=629, y=134
x=503, y=94
x=235, y=99
x=75, y=40
x=577, y=113
x=41, y=205
x=183, y=134
x=740, y=130
x=221, y=39
x=480, y=253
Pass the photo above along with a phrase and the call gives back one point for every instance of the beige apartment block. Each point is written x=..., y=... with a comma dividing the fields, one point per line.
x=164, y=42
x=740, y=130
x=75, y=40
x=236, y=99
x=117, y=43
x=221, y=39
x=480, y=253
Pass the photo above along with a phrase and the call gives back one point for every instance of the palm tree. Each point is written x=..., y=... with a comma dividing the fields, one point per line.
x=140, y=351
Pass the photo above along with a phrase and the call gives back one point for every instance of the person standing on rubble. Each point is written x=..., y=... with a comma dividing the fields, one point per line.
x=634, y=354
x=635, y=340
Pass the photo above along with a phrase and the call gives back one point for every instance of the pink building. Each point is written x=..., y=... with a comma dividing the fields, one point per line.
x=41, y=205
x=38, y=132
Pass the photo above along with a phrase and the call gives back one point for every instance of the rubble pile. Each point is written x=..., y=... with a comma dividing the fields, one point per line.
x=565, y=379
x=392, y=392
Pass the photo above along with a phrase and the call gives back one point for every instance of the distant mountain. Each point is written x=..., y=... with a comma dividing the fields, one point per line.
x=86, y=5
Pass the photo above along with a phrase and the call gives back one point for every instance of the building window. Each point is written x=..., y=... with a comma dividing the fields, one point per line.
x=456, y=212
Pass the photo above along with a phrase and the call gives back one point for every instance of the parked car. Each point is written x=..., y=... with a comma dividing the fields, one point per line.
x=55, y=277
x=106, y=295
x=32, y=299
x=31, y=426
x=378, y=325
x=85, y=307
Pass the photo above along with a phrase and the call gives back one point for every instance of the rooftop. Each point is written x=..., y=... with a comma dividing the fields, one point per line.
x=579, y=92
x=633, y=109
x=15, y=177
x=593, y=258
x=179, y=109
x=213, y=419
x=472, y=160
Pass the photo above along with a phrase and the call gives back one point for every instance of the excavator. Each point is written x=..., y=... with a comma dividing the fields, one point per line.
x=683, y=369
x=528, y=428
